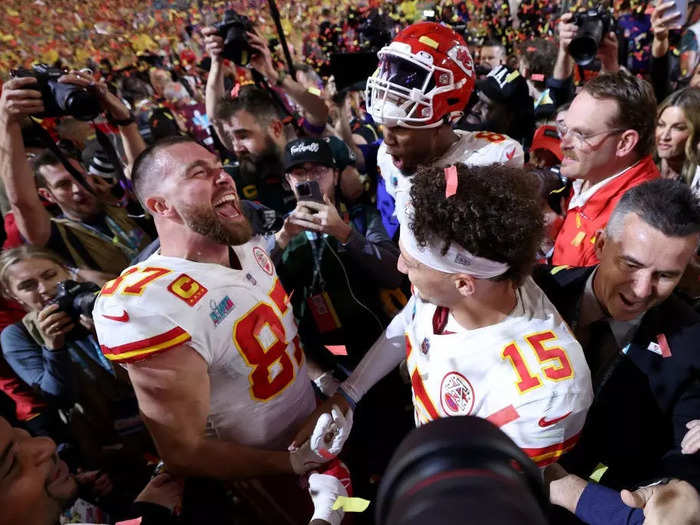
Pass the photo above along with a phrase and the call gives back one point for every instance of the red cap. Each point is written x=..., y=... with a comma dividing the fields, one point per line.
x=547, y=137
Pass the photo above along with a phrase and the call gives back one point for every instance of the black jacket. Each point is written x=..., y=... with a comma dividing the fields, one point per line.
x=637, y=420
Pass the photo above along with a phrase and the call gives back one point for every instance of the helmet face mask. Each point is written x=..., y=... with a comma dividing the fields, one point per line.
x=424, y=75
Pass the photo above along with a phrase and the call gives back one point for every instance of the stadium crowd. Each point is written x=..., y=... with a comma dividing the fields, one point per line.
x=247, y=249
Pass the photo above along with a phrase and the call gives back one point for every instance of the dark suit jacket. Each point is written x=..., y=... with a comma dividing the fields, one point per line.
x=638, y=416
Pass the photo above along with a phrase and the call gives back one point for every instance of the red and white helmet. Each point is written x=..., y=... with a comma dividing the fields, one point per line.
x=425, y=74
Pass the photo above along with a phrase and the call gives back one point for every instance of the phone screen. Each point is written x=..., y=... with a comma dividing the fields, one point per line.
x=681, y=6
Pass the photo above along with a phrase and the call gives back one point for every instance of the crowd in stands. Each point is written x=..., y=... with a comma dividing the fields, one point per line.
x=240, y=266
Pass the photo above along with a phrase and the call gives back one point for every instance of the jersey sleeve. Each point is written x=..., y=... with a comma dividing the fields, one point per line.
x=495, y=148
x=128, y=334
x=385, y=355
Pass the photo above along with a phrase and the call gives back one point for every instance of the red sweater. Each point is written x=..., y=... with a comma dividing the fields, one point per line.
x=575, y=243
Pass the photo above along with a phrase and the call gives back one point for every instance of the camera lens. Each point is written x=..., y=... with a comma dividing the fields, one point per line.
x=75, y=101
x=584, y=47
x=82, y=105
x=583, y=50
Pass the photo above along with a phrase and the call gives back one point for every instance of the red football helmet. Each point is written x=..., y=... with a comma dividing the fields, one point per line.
x=424, y=75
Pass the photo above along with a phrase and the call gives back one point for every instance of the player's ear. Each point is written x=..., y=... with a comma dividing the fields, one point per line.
x=465, y=284
x=600, y=239
x=158, y=206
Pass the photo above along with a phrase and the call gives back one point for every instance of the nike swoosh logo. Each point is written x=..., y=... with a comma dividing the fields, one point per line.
x=548, y=423
x=123, y=318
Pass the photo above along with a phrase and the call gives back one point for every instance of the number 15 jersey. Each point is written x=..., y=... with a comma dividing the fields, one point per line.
x=526, y=374
x=239, y=321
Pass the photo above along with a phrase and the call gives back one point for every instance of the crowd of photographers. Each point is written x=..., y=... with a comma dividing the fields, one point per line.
x=588, y=115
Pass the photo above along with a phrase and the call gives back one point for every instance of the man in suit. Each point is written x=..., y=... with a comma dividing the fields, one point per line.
x=640, y=340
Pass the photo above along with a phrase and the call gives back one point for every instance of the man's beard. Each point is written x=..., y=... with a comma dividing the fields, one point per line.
x=268, y=163
x=205, y=222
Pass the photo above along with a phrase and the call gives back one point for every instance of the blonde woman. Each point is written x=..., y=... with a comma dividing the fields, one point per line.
x=677, y=135
x=56, y=353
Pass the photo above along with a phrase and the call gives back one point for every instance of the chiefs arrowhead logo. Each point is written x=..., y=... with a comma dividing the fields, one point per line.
x=461, y=56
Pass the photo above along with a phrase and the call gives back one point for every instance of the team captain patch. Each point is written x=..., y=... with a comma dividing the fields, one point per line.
x=456, y=394
x=187, y=289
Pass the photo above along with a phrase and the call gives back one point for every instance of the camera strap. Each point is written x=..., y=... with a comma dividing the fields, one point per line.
x=108, y=148
x=48, y=142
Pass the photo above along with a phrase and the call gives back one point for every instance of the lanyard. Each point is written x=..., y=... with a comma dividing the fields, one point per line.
x=317, y=255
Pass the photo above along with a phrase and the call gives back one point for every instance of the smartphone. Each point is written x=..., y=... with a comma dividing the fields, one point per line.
x=309, y=191
x=681, y=6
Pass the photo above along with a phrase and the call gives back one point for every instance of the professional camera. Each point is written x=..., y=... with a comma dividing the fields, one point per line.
x=76, y=298
x=592, y=24
x=233, y=30
x=60, y=99
x=460, y=470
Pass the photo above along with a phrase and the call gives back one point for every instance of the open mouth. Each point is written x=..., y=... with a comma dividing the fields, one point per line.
x=227, y=206
x=398, y=162
x=631, y=305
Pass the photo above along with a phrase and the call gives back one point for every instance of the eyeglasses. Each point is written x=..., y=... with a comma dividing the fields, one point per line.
x=578, y=139
x=312, y=173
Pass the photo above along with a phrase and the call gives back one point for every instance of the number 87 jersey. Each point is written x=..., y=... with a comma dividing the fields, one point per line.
x=526, y=374
x=239, y=321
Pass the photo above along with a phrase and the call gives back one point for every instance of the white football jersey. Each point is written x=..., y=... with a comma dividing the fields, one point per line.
x=239, y=321
x=474, y=148
x=526, y=374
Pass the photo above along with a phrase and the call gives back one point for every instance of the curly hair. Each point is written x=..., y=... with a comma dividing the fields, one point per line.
x=495, y=213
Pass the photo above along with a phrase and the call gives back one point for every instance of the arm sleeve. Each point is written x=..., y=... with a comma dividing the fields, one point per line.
x=375, y=252
x=560, y=91
x=382, y=358
x=49, y=370
x=601, y=505
x=660, y=73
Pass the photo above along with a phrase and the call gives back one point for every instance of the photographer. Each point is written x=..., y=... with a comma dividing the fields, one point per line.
x=331, y=250
x=88, y=232
x=312, y=106
x=561, y=85
x=56, y=352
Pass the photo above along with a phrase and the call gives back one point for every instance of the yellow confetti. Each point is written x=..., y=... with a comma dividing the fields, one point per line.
x=351, y=504
x=598, y=472
x=558, y=269
x=578, y=239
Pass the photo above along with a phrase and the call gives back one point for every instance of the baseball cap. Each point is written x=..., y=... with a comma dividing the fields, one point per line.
x=307, y=150
x=547, y=138
x=507, y=86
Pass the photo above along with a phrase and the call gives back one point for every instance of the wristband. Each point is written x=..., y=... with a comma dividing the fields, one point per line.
x=124, y=122
x=351, y=401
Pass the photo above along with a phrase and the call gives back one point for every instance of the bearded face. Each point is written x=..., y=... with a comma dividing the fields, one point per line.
x=231, y=229
x=261, y=165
